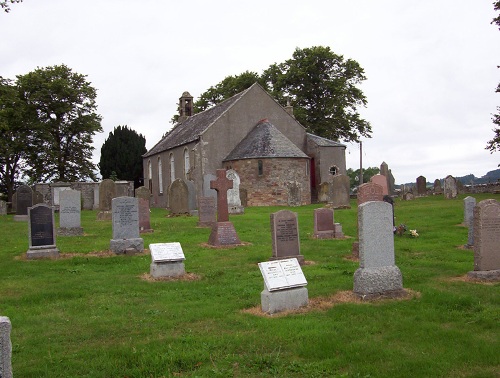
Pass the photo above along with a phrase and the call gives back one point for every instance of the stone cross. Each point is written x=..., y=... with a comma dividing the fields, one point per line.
x=221, y=184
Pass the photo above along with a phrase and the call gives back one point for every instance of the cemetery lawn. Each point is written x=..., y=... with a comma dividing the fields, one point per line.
x=97, y=315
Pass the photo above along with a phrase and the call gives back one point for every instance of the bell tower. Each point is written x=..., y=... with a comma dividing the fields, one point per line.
x=185, y=106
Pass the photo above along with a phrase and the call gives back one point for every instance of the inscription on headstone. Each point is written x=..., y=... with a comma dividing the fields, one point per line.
x=126, y=238
x=282, y=274
x=285, y=235
x=206, y=211
x=161, y=252
x=70, y=203
x=42, y=241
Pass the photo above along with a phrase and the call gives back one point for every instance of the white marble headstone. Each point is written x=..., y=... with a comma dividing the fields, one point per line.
x=282, y=274
x=163, y=252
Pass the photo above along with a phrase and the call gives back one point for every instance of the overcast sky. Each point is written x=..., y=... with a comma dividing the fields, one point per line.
x=431, y=66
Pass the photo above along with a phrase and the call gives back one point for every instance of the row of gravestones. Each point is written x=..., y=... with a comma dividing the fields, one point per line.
x=451, y=188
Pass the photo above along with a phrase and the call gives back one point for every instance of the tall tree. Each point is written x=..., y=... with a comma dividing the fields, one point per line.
x=367, y=175
x=494, y=144
x=13, y=135
x=63, y=119
x=5, y=5
x=121, y=154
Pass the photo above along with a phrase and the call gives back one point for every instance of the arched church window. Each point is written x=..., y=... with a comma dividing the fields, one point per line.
x=260, y=167
x=172, y=168
x=186, y=163
x=160, y=176
x=150, y=176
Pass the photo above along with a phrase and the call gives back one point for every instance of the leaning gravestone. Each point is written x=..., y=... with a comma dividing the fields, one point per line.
x=107, y=191
x=450, y=187
x=421, y=185
x=284, y=286
x=340, y=192
x=143, y=195
x=5, y=348
x=24, y=200
x=178, y=198
x=167, y=260
x=285, y=236
x=3, y=207
x=125, y=219
x=377, y=274
x=233, y=194
x=70, y=205
x=206, y=211
x=487, y=240
x=382, y=181
x=42, y=235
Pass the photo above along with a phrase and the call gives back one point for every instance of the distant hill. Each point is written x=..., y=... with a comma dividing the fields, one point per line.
x=491, y=176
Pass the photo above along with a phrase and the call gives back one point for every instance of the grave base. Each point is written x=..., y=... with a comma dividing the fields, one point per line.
x=223, y=234
x=104, y=216
x=42, y=253
x=377, y=281
x=20, y=218
x=167, y=269
x=126, y=246
x=70, y=231
x=282, y=300
x=236, y=210
x=300, y=258
x=330, y=234
x=146, y=231
x=205, y=224
x=485, y=275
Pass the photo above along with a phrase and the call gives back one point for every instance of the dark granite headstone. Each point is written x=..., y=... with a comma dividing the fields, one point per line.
x=42, y=235
x=285, y=236
x=421, y=185
x=24, y=200
x=323, y=224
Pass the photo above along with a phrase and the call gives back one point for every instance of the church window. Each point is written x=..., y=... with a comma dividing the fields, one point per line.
x=334, y=170
x=160, y=176
x=172, y=168
x=150, y=176
x=260, y=167
x=186, y=163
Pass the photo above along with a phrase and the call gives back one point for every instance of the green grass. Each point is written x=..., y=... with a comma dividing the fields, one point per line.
x=95, y=317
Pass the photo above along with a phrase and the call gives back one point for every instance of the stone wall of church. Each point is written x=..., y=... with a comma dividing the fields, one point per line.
x=282, y=182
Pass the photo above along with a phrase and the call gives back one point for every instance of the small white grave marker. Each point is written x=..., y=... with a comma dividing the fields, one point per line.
x=282, y=274
x=162, y=252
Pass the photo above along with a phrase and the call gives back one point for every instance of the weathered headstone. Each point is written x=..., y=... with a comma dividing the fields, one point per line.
x=223, y=232
x=37, y=197
x=285, y=236
x=5, y=348
x=469, y=204
x=369, y=192
x=437, y=187
x=450, y=187
x=178, y=198
x=70, y=204
x=107, y=191
x=385, y=171
x=377, y=274
x=206, y=211
x=192, y=202
x=207, y=190
x=24, y=200
x=143, y=192
x=294, y=194
x=323, y=224
x=233, y=194
x=56, y=189
x=421, y=185
x=340, y=192
x=125, y=219
x=3, y=207
x=167, y=260
x=144, y=195
x=42, y=232
x=324, y=192
x=284, y=286
x=487, y=240
x=382, y=181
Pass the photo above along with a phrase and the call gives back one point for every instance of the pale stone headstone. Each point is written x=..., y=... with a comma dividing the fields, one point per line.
x=178, y=197
x=377, y=274
x=369, y=192
x=324, y=192
x=233, y=194
x=487, y=240
x=107, y=191
x=421, y=185
x=223, y=232
x=382, y=181
x=206, y=211
x=56, y=189
x=285, y=236
x=5, y=348
x=450, y=187
x=340, y=192
x=42, y=232
x=469, y=204
x=167, y=260
x=125, y=220
x=207, y=190
x=3, y=207
x=284, y=286
x=70, y=204
x=323, y=224
x=24, y=200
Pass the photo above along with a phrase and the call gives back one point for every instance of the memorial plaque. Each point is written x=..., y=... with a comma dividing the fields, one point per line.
x=282, y=274
x=125, y=218
x=41, y=224
x=24, y=199
x=285, y=234
x=161, y=252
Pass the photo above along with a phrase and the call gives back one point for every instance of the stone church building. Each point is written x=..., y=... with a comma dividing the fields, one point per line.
x=278, y=162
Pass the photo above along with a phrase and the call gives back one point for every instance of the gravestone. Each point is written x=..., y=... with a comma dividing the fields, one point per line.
x=37, y=197
x=324, y=192
x=340, y=198
x=487, y=240
x=294, y=194
x=70, y=205
x=56, y=188
x=178, y=198
x=382, y=181
x=167, y=260
x=107, y=191
x=390, y=201
x=143, y=192
x=207, y=190
x=206, y=211
x=192, y=205
x=24, y=200
x=42, y=232
x=5, y=348
x=284, y=286
x=285, y=236
x=125, y=220
x=450, y=187
x=3, y=207
x=223, y=232
x=469, y=204
x=385, y=171
x=421, y=186
x=437, y=187
x=144, y=195
x=369, y=192
x=14, y=203
x=325, y=226
x=233, y=194
x=377, y=274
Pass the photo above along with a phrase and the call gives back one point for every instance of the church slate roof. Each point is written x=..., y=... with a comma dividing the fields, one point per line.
x=323, y=142
x=191, y=129
x=265, y=141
